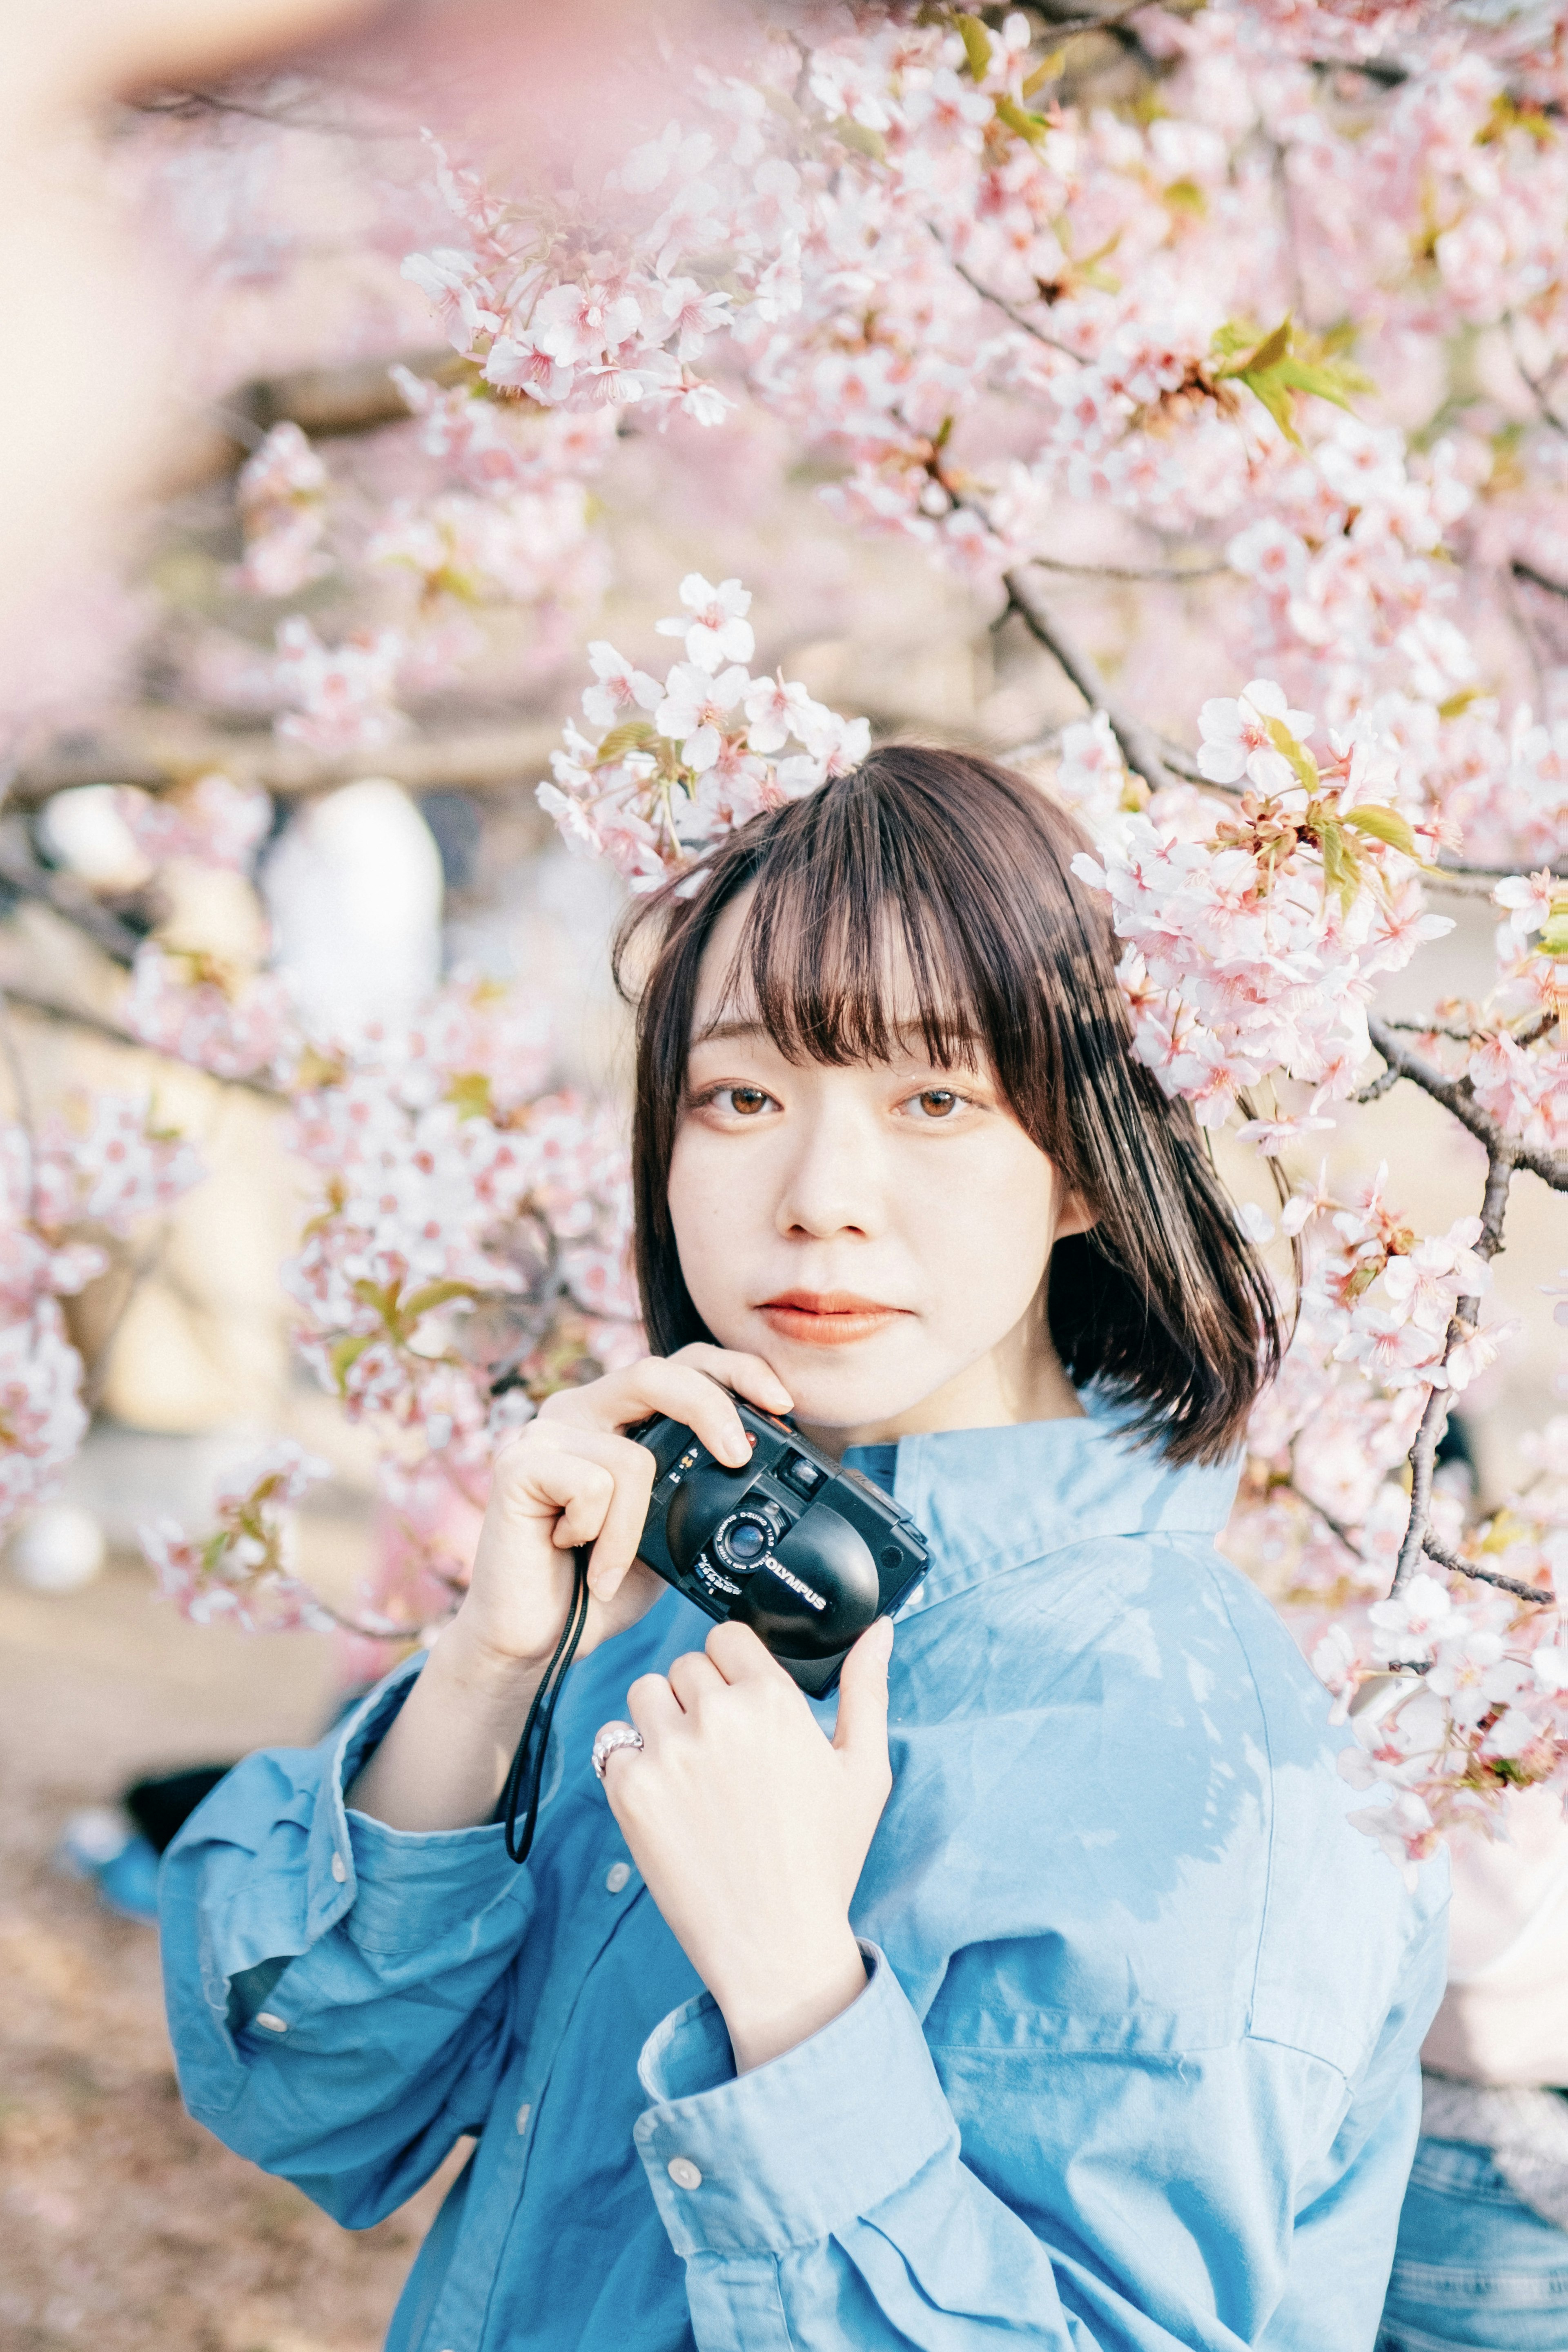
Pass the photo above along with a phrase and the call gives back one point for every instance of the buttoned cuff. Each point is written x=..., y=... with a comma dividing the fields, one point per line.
x=795, y=2149
x=398, y=1890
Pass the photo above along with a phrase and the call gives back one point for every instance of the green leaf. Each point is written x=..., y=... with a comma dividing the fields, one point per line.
x=629, y=736
x=1384, y=824
x=1186, y=196
x=382, y=1296
x=1275, y=372
x=1341, y=866
x=1555, y=937
x=1235, y=335
x=1271, y=351
x=1275, y=398
x=1031, y=127
x=861, y=137
x=976, y=46
x=1046, y=70
x=1301, y=758
x=345, y=1353
x=434, y=1294
x=470, y=1091
x=1461, y=701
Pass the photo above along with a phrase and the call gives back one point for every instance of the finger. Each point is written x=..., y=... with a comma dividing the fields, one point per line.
x=659, y=1384
x=861, y=1731
x=622, y=1529
x=653, y=1707
x=752, y=1377
x=692, y=1675
x=740, y=1655
x=600, y=1486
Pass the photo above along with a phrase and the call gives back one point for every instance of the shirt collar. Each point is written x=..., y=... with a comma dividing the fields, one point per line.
x=994, y=1499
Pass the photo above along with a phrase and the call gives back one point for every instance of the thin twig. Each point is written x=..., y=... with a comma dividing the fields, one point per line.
x=1385, y=1082
x=1452, y=1559
x=999, y=301
x=1524, y=630
x=1537, y=385
x=1173, y=572
x=1502, y=1157
x=1157, y=764
x=1062, y=29
x=1522, y=569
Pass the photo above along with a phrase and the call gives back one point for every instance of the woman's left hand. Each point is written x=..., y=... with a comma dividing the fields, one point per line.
x=751, y=1829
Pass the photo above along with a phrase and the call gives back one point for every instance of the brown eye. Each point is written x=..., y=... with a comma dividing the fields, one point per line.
x=745, y=1101
x=937, y=1102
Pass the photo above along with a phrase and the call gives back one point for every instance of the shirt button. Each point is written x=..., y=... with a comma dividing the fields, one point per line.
x=617, y=1875
x=683, y=2172
x=340, y=1868
x=273, y=2024
x=523, y=2113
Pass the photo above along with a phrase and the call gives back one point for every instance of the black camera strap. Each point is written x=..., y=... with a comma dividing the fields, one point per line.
x=528, y=1764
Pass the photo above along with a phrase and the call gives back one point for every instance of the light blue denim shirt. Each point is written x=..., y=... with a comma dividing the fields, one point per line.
x=1135, y=2065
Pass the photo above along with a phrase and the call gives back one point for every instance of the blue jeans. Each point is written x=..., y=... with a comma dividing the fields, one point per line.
x=1474, y=2270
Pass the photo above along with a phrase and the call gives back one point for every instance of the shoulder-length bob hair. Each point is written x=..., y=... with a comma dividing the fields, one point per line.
x=967, y=867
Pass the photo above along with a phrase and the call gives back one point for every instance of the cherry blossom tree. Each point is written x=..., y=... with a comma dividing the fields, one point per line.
x=1253, y=318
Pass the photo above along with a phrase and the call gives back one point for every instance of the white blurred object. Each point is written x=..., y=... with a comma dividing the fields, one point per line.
x=59, y=1548
x=354, y=890
x=83, y=830
x=92, y=1837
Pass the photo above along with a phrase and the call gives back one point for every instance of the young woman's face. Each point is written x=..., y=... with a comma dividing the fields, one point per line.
x=878, y=1233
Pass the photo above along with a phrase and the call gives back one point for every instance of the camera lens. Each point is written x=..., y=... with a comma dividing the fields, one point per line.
x=747, y=1537
x=746, y=1540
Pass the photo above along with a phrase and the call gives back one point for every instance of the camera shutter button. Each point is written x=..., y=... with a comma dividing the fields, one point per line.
x=684, y=2173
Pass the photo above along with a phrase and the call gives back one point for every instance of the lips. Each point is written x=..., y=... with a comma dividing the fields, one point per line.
x=827, y=1319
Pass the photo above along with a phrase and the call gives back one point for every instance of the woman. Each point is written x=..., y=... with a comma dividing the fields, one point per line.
x=1100, y=2029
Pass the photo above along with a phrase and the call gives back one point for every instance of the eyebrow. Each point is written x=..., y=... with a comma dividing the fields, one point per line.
x=718, y=1031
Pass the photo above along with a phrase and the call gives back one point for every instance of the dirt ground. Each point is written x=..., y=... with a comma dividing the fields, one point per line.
x=123, y=2226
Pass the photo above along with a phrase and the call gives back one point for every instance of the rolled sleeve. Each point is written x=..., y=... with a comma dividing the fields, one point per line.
x=337, y=1989
x=795, y=2150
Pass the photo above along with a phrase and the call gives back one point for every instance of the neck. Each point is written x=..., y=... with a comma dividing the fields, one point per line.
x=1021, y=1378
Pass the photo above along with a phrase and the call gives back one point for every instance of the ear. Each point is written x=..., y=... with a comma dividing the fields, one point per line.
x=1074, y=1216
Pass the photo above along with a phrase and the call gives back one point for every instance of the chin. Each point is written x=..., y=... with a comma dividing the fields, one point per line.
x=832, y=1390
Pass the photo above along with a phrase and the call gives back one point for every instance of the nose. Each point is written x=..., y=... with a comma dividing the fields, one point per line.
x=832, y=1182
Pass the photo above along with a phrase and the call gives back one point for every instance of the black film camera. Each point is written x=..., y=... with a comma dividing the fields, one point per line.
x=804, y=1552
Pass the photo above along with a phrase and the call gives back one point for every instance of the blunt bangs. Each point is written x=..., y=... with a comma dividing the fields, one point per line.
x=854, y=942
x=931, y=894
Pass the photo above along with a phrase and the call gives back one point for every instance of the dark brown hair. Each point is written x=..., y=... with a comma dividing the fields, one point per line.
x=968, y=866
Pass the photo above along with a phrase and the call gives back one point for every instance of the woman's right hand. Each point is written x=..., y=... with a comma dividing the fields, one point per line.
x=571, y=1477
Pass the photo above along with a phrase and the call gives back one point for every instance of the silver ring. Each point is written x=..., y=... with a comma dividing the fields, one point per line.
x=608, y=1737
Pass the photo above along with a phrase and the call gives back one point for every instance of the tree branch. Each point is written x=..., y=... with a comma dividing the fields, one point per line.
x=328, y=403
x=94, y=1024
x=70, y=900
x=1062, y=29
x=1503, y=1155
x=1172, y=572
x=1537, y=385
x=1451, y=1560
x=156, y=748
x=1456, y=1096
x=999, y=301
x=1158, y=764
x=1384, y=1083
x=1523, y=571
